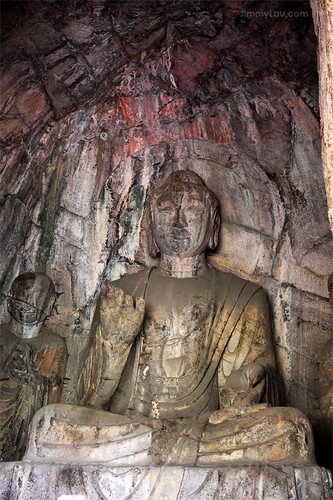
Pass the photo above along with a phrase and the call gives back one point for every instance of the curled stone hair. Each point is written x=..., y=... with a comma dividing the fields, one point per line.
x=178, y=181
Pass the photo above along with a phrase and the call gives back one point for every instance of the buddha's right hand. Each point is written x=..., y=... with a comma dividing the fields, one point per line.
x=121, y=317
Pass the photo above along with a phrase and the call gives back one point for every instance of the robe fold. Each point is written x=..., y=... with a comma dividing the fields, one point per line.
x=31, y=372
x=192, y=338
x=165, y=393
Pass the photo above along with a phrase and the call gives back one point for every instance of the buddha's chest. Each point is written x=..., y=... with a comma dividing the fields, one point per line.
x=176, y=338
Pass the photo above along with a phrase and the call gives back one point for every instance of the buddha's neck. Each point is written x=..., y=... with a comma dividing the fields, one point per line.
x=182, y=267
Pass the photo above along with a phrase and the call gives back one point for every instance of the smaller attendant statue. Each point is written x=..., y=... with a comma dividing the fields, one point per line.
x=32, y=361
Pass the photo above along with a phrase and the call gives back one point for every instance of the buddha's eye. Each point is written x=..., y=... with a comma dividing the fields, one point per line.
x=166, y=209
x=194, y=208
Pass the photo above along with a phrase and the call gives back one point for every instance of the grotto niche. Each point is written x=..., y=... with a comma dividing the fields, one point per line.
x=100, y=101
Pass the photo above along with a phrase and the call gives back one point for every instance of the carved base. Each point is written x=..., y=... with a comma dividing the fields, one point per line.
x=55, y=482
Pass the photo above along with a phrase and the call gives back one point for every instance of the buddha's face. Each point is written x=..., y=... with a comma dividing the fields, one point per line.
x=181, y=222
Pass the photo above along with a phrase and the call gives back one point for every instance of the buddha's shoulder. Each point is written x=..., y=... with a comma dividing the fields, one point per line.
x=236, y=284
x=133, y=284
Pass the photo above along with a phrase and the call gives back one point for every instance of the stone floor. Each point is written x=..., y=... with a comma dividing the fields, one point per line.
x=26, y=481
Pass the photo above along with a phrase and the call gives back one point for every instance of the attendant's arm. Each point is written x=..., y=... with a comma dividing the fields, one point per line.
x=116, y=324
x=45, y=366
x=19, y=365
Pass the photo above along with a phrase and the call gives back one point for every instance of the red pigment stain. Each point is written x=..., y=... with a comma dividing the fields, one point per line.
x=174, y=109
x=164, y=124
x=127, y=106
x=188, y=64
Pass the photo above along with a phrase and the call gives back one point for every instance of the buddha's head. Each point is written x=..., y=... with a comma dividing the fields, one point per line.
x=30, y=301
x=184, y=216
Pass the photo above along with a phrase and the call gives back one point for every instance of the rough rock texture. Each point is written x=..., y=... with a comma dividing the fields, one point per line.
x=96, y=483
x=323, y=23
x=93, y=96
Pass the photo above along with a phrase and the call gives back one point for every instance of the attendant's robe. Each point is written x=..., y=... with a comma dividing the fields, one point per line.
x=31, y=372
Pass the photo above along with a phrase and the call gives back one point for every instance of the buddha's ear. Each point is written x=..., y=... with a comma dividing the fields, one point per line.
x=147, y=241
x=214, y=239
x=153, y=248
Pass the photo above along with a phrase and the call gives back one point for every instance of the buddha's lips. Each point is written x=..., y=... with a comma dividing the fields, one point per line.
x=179, y=233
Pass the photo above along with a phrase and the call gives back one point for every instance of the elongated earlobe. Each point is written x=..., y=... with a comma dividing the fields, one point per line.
x=214, y=239
x=153, y=249
x=152, y=246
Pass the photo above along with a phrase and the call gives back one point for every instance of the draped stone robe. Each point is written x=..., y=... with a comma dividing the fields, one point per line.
x=165, y=392
x=31, y=372
x=196, y=331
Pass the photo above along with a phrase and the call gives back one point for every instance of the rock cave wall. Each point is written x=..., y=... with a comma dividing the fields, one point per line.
x=101, y=99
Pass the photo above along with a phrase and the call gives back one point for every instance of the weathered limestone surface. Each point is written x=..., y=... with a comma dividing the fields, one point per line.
x=31, y=481
x=89, y=91
x=253, y=243
x=323, y=23
x=180, y=368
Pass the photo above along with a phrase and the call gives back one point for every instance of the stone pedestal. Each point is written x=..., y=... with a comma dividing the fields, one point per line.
x=59, y=482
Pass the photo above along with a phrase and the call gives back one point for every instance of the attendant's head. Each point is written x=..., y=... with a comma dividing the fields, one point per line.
x=30, y=301
x=184, y=216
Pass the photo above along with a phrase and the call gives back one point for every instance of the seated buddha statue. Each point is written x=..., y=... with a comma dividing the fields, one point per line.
x=180, y=367
x=32, y=361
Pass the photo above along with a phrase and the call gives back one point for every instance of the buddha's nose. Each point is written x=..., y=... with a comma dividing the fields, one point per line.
x=180, y=219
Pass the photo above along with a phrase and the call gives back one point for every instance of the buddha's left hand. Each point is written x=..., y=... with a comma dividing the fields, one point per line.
x=245, y=387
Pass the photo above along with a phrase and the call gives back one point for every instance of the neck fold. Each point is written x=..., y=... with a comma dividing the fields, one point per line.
x=182, y=267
